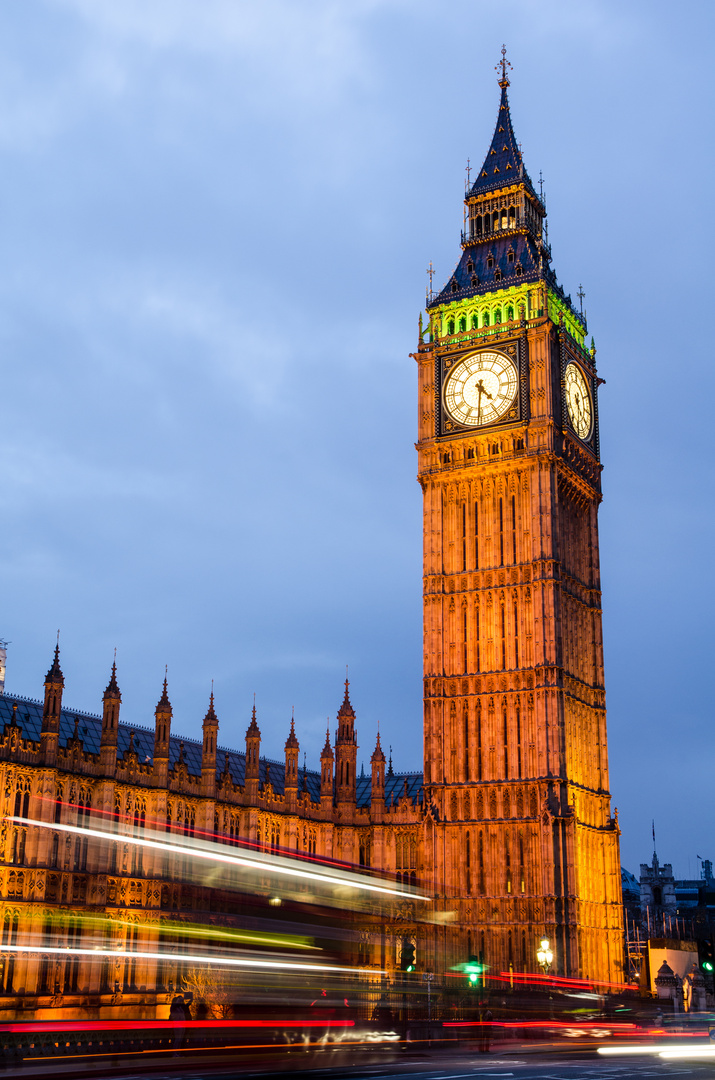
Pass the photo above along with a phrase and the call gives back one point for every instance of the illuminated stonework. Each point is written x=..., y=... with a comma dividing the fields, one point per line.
x=515, y=747
x=510, y=828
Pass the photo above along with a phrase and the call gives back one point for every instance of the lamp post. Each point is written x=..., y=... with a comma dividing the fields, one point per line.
x=544, y=955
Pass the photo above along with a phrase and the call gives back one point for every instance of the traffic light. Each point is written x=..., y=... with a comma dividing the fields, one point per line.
x=407, y=955
x=473, y=969
x=706, y=955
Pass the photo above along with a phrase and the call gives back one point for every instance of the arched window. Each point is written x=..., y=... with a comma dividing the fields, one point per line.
x=485, y=319
x=510, y=313
x=512, y=217
x=450, y=327
x=475, y=321
x=462, y=323
x=497, y=314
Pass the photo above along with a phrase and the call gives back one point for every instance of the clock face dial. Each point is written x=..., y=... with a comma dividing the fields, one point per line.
x=578, y=401
x=481, y=389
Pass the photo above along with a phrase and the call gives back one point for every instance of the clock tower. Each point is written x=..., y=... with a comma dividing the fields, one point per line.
x=516, y=769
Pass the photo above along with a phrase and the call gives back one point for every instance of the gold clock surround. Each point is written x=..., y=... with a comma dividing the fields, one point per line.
x=481, y=389
x=578, y=401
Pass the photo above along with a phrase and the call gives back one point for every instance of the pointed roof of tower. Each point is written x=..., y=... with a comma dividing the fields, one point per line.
x=327, y=751
x=113, y=690
x=163, y=704
x=504, y=163
x=55, y=672
x=346, y=708
x=253, y=728
x=292, y=742
x=211, y=717
x=377, y=754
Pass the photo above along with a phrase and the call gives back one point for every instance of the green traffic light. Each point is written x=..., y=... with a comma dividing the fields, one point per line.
x=707, y=966
x=473, y=977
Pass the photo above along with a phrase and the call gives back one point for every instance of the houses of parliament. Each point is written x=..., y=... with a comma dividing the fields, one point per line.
x=509, y=828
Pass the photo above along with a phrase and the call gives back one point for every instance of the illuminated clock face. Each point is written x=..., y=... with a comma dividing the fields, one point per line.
x=578, y=401
x=481, y=389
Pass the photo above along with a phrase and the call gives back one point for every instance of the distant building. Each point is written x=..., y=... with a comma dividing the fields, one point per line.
x=660, y=908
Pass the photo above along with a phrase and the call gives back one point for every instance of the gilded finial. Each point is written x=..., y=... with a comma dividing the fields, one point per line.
x=502, y=66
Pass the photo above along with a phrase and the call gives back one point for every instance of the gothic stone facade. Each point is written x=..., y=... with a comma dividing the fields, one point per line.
x=509, y=829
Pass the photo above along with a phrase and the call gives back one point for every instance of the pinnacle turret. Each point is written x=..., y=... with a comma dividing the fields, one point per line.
x=377, y=754
x=211, y=717
x=253, y=728
x=113, y=691
x=292, y=741
x=54, y=675
x=164, y=705
x=346, y=708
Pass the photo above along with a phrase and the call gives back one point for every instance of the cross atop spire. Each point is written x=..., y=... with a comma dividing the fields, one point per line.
x=503, y=65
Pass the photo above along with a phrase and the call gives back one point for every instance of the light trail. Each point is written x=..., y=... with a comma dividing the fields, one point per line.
x=264, y=865
x=215, y=961
x=222, y=936
x=688, y=1052
x=654, y=1048
x=41, y=1026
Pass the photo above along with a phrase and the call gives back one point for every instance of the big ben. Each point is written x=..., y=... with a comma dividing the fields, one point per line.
x=523, y=842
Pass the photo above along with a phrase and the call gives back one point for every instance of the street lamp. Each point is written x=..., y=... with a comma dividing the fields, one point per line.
x=544, y=955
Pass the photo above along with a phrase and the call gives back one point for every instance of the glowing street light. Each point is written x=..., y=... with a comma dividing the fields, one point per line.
x=544, y=955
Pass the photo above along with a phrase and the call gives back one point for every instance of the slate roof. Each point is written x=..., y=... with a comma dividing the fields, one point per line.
x=497, y=247
x=89, y=728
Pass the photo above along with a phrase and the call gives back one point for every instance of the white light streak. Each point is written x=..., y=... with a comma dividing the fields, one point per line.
x=212, y=853
x=652, y=1048
x=215, y=961
x=688, y=1052
x=663, y=1050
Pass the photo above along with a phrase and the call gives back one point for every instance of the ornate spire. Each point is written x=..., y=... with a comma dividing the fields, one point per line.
x=211, y=717
x=377, y=754
x=55, y=672
x=292, y=742
x=327, y=751
x=113, y=690
x=346, y=708
x=253, y=728
x=503, y=164
x=164, y=705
